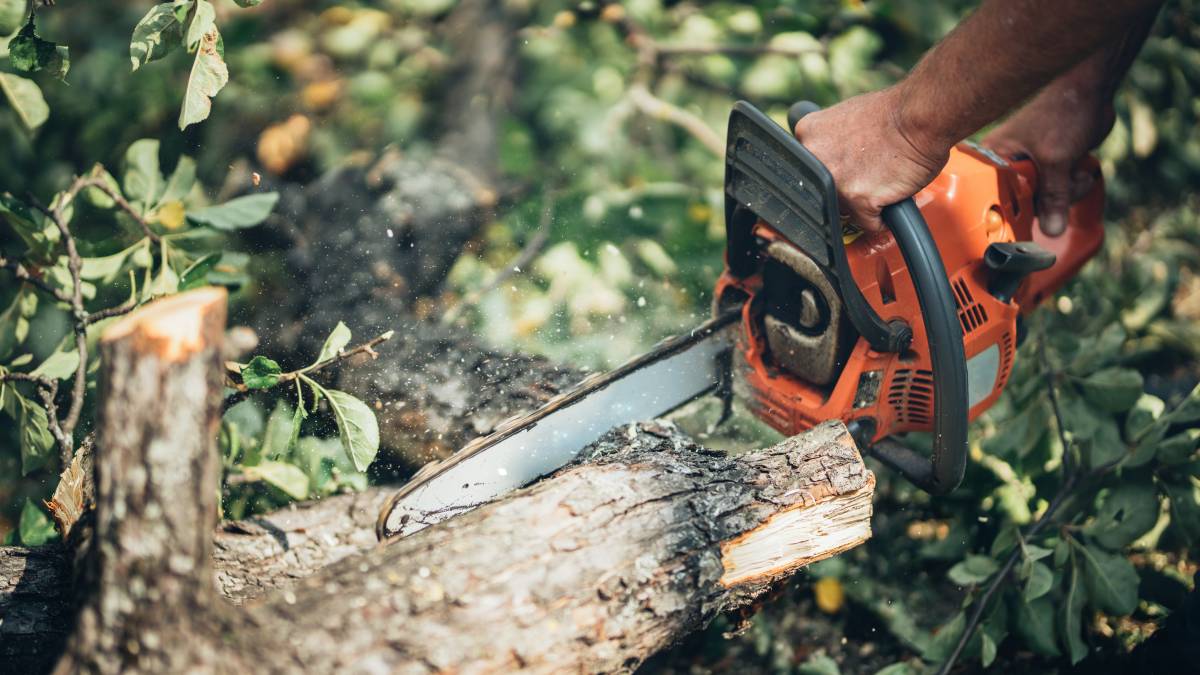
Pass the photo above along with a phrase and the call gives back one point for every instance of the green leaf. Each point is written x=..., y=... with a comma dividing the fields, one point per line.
x=196, y=274
x=1185, y=510
x=230, y=270
x=35, y=440
x=975, y=569
x=1070, y=616
x=1112, y=389
x=209, y=75
x=59, y=365
x=1188, y=410
x=1129, y=511
x=143, y=180
x=1178, y=449
x=181, y=181
x=260, y=373
x=248, y=3
x=1035, y=623
x=945, y=639
x=297, y=418
x=14, y=321
x=1146, y=410
x=238, y=213
x=1097, y=352
x=155, y=35
x=287, y=477
x=26, y=99
x=818, y=664
x=358, y=430
x=97, y=197
x=1111, y=580
x=29, y=53
x=278, y=434
x=35, y=527
x=987, y=650
x=1038, y=583
x=12, y=15
x=335, y=343
x=203, y=21
x=901, y=668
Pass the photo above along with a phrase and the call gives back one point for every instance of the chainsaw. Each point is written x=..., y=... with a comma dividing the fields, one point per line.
x=911, y=329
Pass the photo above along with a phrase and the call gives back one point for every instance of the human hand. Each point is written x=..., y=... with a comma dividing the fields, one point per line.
x=1056, y=129
x=876, y=160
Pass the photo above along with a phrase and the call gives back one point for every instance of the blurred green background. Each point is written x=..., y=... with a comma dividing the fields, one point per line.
x=606, y=164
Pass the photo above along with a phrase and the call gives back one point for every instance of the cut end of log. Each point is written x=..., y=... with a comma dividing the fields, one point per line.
x=175, y=327
x=799, y=536
x=829, y=507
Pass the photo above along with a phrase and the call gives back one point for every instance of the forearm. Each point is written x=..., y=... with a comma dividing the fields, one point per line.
x=1007, y=50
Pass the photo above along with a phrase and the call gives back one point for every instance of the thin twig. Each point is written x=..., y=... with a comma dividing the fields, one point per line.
x=530, y=251
x=79, y=314
x=109, y=313
x=47, y=388
x=99, y=184
x=241, y=391
x=651, y=105
x=23, y=274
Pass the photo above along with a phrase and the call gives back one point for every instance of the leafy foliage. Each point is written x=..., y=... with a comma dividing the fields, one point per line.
x=630, y=208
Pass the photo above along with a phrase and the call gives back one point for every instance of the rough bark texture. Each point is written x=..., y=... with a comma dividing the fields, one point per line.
x=36, y=605
x=591, y=570
x=263, y=553
x=156, y=487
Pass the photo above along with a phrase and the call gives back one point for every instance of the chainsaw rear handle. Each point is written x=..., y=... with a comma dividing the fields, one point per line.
x=943, y=470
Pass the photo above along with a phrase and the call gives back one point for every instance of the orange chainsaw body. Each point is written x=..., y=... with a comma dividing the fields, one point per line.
x=978, y=200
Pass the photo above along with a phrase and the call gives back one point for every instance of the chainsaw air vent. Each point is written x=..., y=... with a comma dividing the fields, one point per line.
x=970, y=313
x=1006, y=358
x=911, y=396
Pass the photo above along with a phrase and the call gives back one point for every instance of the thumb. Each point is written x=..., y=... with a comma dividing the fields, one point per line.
x=1054, y=198
x=866, y=216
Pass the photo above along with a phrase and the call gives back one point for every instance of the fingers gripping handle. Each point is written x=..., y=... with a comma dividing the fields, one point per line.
x=943, y=470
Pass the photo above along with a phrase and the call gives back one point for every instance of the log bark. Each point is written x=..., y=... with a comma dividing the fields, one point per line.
x=595, y=568
x=157, y=474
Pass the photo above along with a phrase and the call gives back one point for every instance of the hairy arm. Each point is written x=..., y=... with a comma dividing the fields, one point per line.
x=884, y=146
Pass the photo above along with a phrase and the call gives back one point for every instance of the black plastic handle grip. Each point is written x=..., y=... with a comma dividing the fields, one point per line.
x=943, y=470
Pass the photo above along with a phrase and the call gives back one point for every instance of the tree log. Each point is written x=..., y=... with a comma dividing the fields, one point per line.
x=595, y=568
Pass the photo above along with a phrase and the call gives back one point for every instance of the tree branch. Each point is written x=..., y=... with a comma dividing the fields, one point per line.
x=653, y=106
x=241, y=391
x=47, y=388
x=22, y=274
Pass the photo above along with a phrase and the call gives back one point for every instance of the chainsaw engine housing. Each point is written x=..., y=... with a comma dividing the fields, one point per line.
x=800, y=361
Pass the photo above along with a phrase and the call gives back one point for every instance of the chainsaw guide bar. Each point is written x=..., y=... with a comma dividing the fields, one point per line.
x=525, y=448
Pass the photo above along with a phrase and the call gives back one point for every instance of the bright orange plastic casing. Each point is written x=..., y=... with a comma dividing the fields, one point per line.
x=977, y=200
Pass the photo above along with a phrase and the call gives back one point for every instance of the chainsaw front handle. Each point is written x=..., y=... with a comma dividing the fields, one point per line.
x=943, y=470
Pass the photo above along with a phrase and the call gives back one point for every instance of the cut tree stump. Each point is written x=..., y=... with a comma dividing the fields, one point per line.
x=595, y=568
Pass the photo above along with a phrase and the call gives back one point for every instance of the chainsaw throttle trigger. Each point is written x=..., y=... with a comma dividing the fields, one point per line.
x=944, y=469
